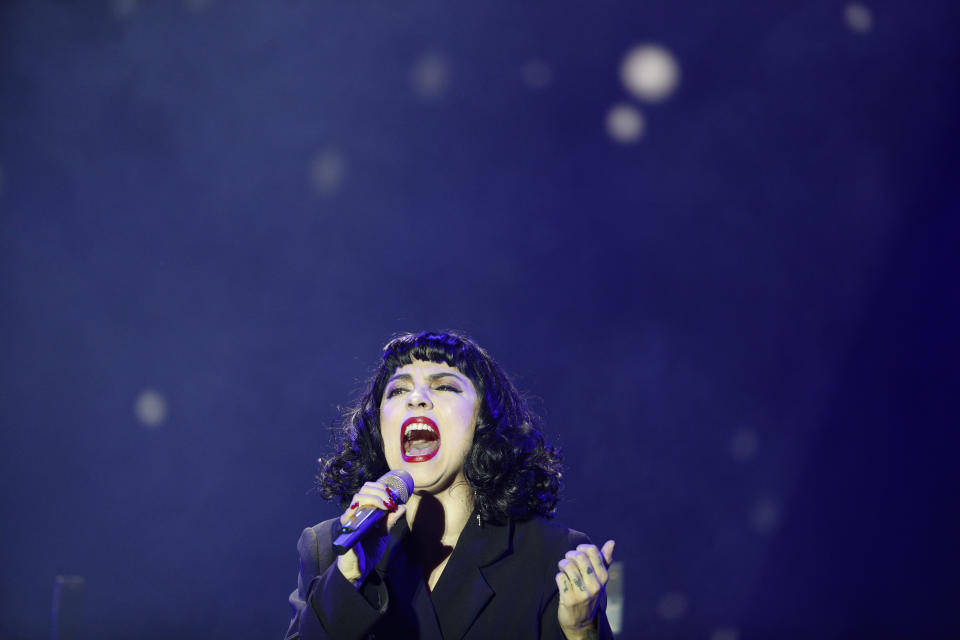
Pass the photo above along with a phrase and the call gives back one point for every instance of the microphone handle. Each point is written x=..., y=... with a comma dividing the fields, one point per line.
x=399, y=486
x=357, y=525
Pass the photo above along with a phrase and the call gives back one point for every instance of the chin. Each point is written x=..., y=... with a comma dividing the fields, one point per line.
x=423, y=478
x=428, y=480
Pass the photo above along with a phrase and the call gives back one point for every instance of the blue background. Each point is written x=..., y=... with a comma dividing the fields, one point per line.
x=741, y=328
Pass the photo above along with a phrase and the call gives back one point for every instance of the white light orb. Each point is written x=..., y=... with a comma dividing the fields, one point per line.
x=537, y=74
x=625, y=123
x=650, y=72
x=430, y=75
x=765, y=516
x=150, y=408
x=726, y=633
x=196, y=6
x=859, y=18
x=672, y=606
x=124, y=8
x=327, y=172
x=744, y=444
x=615, y=597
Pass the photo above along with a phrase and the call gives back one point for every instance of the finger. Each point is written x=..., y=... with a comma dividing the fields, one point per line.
x=370, y=495
x=608, y=551
x=563, y=586
x=354, y=505
x=395, y=516
x=374, y=494
x=597, y=564
x=377, y=489
x=573, y=573
x=587, y=572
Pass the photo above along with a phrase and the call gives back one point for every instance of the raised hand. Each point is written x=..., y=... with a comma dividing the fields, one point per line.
x=357, y=563
x=581, y=581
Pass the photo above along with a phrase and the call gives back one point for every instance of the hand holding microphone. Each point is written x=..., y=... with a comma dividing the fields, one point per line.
x=364, y=534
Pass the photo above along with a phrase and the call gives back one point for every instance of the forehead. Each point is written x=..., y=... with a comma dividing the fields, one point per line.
x=426, y=368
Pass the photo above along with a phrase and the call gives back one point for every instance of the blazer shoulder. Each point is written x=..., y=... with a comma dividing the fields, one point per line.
x=315, y=543
x=548, y=535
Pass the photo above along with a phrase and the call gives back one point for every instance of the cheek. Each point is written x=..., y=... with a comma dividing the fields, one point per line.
x=386, y=430
x=474, y=411
x=468, y=418
x=390, y=441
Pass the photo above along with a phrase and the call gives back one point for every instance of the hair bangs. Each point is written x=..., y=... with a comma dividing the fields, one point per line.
x=450, y=348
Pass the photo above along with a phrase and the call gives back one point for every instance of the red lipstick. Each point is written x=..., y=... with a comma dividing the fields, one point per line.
x=419, y=439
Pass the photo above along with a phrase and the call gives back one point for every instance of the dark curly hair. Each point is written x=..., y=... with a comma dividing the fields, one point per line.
x=513, y=472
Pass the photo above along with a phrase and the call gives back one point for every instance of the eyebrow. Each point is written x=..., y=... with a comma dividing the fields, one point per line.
x=432, y=377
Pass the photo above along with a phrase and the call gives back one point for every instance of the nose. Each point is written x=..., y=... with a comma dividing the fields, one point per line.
x=419, y=399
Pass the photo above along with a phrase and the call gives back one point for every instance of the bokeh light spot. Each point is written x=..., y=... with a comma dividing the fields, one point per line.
x=430, y=75
x=672, y=606
x=744, y=444
x=537, y=74
x=196, y=6
x=124, y=8
x=625, y=123
x=150, y=408
x=650, y=72
x=615, y=597
x=327, y=172
x=859, y=18
x=726, y=633
x=765, y=516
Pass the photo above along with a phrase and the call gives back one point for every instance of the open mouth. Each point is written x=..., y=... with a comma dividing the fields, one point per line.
x=419, y=439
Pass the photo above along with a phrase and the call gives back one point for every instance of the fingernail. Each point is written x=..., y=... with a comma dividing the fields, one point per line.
x=355, y=505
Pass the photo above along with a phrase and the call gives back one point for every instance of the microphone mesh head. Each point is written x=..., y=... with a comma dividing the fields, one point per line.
x=400, y=483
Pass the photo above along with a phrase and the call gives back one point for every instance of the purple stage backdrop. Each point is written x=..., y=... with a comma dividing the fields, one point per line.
x=715, y=242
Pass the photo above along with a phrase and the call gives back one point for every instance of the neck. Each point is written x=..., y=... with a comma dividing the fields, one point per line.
x=440, y=517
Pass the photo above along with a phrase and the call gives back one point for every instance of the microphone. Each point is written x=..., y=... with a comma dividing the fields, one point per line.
x=399, y=485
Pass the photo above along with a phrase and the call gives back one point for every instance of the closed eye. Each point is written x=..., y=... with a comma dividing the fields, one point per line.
x=395, y=391
x=448, y=387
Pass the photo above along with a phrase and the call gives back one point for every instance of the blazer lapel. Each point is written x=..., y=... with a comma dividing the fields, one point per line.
x=463, y=590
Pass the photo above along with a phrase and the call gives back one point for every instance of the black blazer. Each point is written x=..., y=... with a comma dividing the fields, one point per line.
x=498, y=583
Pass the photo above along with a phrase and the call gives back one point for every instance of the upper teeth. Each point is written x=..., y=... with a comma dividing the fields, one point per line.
x=418, y=426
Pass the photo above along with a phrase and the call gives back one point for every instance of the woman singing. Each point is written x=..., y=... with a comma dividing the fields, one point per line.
x=472, y=553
